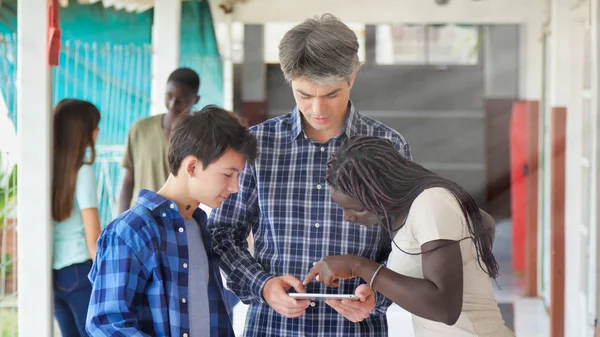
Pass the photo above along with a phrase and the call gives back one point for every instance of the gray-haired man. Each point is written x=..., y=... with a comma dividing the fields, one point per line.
x=285, y=202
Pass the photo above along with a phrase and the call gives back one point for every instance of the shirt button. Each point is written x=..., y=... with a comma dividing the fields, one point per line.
x=312, y=304
x=322, y=149
x=180, y=229
x=164, y=215
x=172, y=206
x=317, y=225
x=314, y=263
x=319, y=187
x=185, y=335
x=185, y=265
x=183, y=300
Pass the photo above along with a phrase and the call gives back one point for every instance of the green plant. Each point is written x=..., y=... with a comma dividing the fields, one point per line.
x=7, y=260
x=8, y=322
x=8, y=189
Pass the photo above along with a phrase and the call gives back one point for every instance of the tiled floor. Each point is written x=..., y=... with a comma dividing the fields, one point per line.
x=526, y=316
x=530, y=320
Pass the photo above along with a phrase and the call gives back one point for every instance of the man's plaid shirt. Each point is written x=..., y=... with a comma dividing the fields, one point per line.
x=285, y=202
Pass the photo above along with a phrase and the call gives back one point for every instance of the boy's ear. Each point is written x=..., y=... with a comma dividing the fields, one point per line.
x=190, y=163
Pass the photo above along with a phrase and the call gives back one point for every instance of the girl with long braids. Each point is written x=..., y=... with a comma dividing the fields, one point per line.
x=441, y=265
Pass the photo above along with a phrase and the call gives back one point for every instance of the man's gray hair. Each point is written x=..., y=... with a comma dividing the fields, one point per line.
x=323, y=50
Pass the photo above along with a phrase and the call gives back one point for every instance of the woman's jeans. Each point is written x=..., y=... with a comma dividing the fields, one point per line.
x=72, y=291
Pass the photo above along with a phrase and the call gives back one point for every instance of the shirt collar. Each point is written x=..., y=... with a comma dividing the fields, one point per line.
x=152, y=201
x=351, y=124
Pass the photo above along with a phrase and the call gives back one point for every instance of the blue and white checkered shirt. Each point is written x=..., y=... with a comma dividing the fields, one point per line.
x=286, y=203
x=140, y=275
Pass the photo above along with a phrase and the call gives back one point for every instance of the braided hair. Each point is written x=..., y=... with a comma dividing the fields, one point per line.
x=371, y=170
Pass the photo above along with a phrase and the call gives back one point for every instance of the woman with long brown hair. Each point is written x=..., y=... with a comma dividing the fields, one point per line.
x=74, y=211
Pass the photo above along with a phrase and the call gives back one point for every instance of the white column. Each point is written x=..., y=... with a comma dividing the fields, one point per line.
x=166, y=42
x=34, y=177
x=560, y=53
x=228, y=95
x=530, y=77
x=558, y=96
x=594, y=262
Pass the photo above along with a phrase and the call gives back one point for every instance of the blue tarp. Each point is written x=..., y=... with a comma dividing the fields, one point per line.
x=106, y=59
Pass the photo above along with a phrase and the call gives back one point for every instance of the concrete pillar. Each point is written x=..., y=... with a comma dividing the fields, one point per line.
x=370, y=44
x=166, y=45
x=595, y=230
x=501, y=61
x=34, y=92
x=254, y=76
x=500, y=49
x=530, y=72
x=576, y=320
x=581, y=235
x=560, y=54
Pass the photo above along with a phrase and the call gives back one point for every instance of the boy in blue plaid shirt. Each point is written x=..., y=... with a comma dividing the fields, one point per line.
x=155, y=273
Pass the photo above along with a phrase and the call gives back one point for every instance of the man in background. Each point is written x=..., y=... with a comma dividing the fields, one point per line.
x=145, y=159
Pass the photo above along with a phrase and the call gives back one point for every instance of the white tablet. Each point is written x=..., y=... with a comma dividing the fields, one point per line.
x=313, y=297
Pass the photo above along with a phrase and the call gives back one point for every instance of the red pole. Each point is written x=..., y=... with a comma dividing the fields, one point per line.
x=54, y=33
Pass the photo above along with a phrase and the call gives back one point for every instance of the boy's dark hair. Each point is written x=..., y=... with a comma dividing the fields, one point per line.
x=186, y=77
x=207, y=134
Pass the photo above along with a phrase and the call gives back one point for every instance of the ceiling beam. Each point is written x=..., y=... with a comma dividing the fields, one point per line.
x=386, y=11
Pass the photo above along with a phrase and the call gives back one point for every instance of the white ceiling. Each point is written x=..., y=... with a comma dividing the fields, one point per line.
x=363, y=11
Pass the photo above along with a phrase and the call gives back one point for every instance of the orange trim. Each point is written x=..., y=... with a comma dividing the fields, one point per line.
x=518, y=183
x=557, y=220
x=531, y=225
